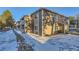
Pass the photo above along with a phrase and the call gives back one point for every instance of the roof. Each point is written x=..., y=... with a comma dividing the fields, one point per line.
x=47, y=10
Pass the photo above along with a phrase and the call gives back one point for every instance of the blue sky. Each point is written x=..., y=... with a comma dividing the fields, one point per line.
x=18, y=12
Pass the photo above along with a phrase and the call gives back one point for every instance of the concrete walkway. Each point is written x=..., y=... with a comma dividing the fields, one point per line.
x=38, y=38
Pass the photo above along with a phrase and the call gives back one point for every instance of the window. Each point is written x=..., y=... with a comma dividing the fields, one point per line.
x=56, y=17
x=22, y=26
x=36, y=27
x=35, y=16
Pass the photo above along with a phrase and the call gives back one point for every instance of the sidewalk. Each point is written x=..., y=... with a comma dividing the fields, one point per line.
x=75, y=33
x=38, y=38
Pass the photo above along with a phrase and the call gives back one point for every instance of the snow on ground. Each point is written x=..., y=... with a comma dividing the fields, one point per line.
x=60, y=42
x=64, y=42
x=8, y=41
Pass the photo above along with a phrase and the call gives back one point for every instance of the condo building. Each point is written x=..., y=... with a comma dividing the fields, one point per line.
x=45, y=22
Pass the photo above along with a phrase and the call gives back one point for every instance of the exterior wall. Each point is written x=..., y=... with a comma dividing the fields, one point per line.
x=28, y=21
x=66, y=26
x=47, y=23
x=44, y=22
x=50, y=23
x=25, y=24
x=37, y=22
x=22, y=25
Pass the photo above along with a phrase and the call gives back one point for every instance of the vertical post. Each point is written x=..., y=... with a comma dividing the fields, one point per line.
x=42, y=23
x=38, y=22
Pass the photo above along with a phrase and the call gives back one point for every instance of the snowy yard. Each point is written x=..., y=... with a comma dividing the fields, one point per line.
x=60, y=42
x=8, y=41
